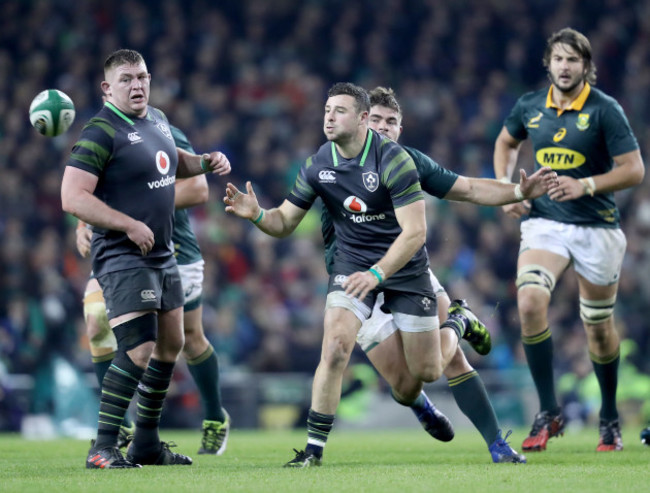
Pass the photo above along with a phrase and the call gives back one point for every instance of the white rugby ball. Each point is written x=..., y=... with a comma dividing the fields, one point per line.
x=51, y=112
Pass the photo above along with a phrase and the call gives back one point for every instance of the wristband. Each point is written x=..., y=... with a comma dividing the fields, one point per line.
x=259, y=218
x=504, y=179
x=518, y=195
x=203, y=167
x=588, y=185
x=378, y=272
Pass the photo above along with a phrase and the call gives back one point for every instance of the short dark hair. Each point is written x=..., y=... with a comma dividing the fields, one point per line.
x=360, y=95
x=122, y=57
x=580, y=45
x=383, y=96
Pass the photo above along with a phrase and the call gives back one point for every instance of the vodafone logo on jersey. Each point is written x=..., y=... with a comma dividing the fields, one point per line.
x=359, y=208
x=355, y=205
x=162, y=162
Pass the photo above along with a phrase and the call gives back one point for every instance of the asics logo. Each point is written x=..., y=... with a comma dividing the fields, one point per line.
x=327, y=176
x=147, y=295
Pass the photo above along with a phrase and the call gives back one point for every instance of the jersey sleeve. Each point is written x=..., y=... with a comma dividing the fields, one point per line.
x=617, y=131
x=400, y=176
x=514, y=122
x=435, y=179
x=181, y=140
x=302, y=194
x=94, y=148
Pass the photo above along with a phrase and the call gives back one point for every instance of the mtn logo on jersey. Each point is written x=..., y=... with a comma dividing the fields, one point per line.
x=327, y=176
x=164, y=129
x=163, y=164
x=559, y=158
x=134, y=138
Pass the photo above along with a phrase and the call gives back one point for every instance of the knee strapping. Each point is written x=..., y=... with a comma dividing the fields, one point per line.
x=95, y=307
x=136, y=331
x=596, y=311
x=536, y=276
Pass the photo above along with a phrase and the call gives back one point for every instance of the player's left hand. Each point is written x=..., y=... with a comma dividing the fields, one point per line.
x=217, y=162
x=567, y=189
x=360, y=284
x=537, y=184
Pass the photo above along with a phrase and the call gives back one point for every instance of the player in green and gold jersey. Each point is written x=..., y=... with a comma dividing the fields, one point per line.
x=585, y=137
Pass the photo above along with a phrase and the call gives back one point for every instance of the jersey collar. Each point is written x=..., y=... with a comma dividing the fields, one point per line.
x=575, y=105
x=335, y=157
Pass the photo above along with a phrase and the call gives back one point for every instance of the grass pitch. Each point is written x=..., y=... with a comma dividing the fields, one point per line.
x=360, y=461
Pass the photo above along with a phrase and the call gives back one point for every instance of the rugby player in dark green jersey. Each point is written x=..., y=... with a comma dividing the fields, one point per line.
x=584, y=135
x=119, y=178
x=199, y=354
x=370, y=185
x=378, y=336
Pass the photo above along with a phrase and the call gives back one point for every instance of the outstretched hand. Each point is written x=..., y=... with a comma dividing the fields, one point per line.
x=539, y=183
x=241, y=204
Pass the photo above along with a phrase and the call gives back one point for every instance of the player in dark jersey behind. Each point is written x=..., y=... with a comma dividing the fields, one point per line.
x=198, y=352
x=120, y=179
x=378, y=336
x=371, y=189
x=584, y=135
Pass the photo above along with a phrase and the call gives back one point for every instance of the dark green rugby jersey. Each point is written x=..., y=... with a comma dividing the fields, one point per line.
x=361, y=195
x=186, y=246
x=135, y=160
x=579, y=142
x=435, y=180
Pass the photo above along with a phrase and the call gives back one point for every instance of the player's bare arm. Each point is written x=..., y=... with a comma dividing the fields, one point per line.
x=485, y=191
x=192, y=164
x=278, y=222
x=77, y=198
x=411, y=219
x=506, y=152
x=191, y=192
x=628, y=172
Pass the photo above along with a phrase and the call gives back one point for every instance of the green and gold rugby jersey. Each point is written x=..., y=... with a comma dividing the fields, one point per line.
x=135, y=161
x=186, y=246
x=579, y=141
x=361, y=195
x=434, y=179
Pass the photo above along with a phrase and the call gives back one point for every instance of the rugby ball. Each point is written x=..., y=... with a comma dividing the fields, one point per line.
x=51, y=112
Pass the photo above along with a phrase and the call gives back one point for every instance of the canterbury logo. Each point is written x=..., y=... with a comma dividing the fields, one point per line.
x=147, y=295
x=327, y=175
x=134, y=137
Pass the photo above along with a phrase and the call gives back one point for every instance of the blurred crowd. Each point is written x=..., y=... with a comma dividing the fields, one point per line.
x=249, y=78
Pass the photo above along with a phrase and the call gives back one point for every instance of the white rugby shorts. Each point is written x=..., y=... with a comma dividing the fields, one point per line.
x=596, y=253
x=380, y=326
x=192, y=280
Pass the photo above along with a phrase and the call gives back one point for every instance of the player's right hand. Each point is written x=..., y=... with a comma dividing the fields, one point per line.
x=242, y=204
x=140, y=234
x=84, y=235
x=517, y=209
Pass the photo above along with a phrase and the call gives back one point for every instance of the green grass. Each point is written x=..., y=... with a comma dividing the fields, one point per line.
x=397, y=461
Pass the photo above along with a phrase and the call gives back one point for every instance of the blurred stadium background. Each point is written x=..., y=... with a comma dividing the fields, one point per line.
x=249, y=78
